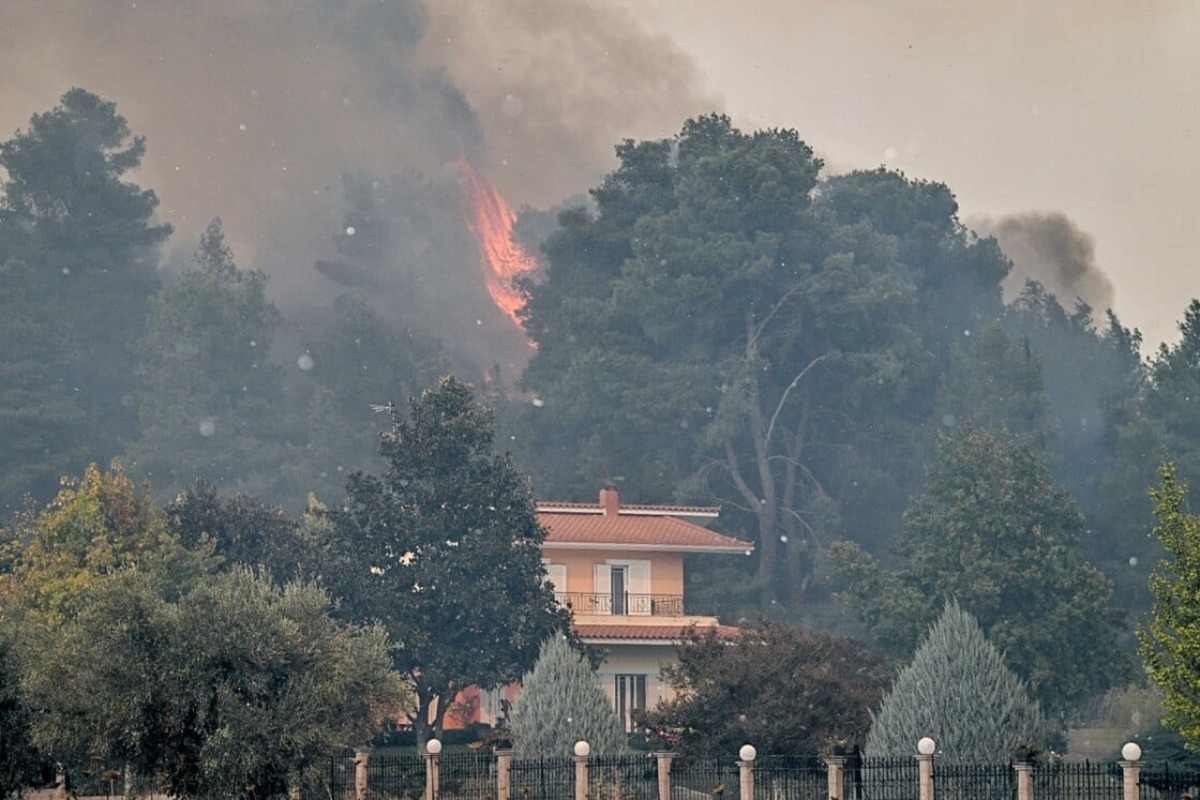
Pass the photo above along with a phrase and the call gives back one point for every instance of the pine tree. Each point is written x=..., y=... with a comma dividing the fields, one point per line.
x=958, y=691
x=561, y=703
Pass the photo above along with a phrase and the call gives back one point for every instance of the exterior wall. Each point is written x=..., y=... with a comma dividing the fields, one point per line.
x=666, y=569
x=638, y=659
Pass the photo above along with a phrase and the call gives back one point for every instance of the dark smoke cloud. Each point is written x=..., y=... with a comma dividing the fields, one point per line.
x=1051, y=249
x=254, y=109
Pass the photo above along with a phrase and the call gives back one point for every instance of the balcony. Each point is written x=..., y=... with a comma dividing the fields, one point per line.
x=623, y=604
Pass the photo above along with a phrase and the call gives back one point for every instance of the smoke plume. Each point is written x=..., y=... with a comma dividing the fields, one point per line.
x=254, y=110
x=1053, y=250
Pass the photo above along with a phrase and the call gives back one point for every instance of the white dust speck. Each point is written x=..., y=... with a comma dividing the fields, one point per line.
x=208, y=428
x=305, y=362
x=350, y=231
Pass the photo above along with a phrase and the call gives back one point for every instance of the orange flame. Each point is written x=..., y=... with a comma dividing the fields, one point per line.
x=491, y=220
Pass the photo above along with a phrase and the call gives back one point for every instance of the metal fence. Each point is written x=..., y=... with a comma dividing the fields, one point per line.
x=633, y=777
x=473, y=776
x=700, y=778
x=542, y=778
x=778, y=777
x=1161, y=782
x=975, y=781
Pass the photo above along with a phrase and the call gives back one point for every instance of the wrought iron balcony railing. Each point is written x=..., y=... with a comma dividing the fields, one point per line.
x=621, y=604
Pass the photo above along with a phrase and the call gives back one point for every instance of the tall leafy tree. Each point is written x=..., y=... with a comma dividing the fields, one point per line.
x=1159, y=425
x=997, y=385
x=443, y=548
x=238, y=689
x=788, y=690
x=721, y=325
x=42, y=424
x=243, y=530
x=90, y=243
x=1169, y=641
x=212, y=403
x=562, y=702
x=993, y=532
x=97, y=525
x=360, y=363
x=957, y=690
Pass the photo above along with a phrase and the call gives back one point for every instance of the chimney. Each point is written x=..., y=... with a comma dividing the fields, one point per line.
x=610, y=500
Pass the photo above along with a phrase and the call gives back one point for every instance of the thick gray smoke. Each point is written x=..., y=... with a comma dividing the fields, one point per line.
x=254, y=109
x=1051, y=249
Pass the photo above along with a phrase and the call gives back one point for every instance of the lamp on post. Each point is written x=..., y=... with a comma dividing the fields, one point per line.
x=746, y=756
x=582, y=751
x=926, y=747
x=433, y=778
x=1131, y=769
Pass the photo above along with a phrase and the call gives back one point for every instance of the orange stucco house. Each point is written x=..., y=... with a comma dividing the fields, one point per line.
x=619, y=568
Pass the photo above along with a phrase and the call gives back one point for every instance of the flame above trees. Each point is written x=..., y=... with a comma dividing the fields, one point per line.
x=491, y=221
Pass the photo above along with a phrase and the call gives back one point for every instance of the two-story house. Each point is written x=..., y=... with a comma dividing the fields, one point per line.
x=620, y=570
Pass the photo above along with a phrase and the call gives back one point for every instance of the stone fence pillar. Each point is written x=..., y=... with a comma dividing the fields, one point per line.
x=361, y=759
x=746, y=756
x=664, y=759
x=433, y=771
x=503, y=774
x=582, y=751
x=1131, y=769
x=1024, y=770
x=925, y=750
x=836, y=772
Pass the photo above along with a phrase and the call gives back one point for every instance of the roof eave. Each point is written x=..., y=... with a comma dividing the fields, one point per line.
x=655, y=548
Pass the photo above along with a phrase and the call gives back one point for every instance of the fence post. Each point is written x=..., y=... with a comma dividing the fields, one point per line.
x=1024, y=770
x=746, y=756
x=1131, y=768
x=361, y=757
x=433, y=778
x=836, y=771
x=503, y=774
x=925, y=750
x=582, y=751
x=664, y=774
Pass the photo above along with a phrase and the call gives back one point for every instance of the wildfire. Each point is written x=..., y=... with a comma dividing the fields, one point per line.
x=491, y=220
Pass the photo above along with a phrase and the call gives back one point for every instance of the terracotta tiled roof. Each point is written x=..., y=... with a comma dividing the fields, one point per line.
x=646, y=633
x=635, y=532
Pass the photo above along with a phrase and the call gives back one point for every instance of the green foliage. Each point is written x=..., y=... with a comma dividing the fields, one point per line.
x=1169, y=642
x=993, y=532
x=997, y=386
x=243, y=530
x=97, y=526
x=238, y=689
x=723, y=327
x=21, y=765
x=87, y=239
x=444, y=550
x=42, y=425
x=359, y=364
x=212, y=403
x=787, y=690
x=957, y=690
x=562, y=702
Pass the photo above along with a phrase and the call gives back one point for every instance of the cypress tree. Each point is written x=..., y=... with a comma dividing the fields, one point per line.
x=561, y=702
x=958, y=691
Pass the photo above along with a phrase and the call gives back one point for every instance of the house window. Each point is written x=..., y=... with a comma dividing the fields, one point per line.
x=557, y=575
x=630, y=695
x=622, y=587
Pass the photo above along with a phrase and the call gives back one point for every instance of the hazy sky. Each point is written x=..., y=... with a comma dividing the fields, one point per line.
x=1084, y=112
x=1090, y=108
